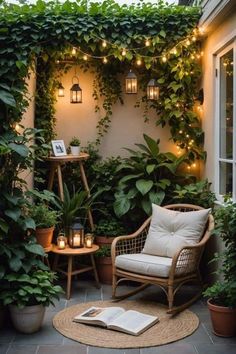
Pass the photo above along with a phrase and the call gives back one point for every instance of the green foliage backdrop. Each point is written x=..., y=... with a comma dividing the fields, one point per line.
x=41, y=35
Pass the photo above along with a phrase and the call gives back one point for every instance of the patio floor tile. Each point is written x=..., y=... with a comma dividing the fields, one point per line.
x=215, y=348
x=175, y=348
x=69, y=349
x=22, y=349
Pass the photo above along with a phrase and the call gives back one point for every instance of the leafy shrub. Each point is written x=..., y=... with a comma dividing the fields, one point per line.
x=43, y=216
x=109, y=227
x=75, y=141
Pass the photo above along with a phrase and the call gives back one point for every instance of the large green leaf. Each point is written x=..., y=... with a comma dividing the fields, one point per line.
x=157, y=198
x=144, y=186
x=7, y=98
x=20, y=149
x=15, y=264
x=35, y=249
x=121, y=206
x=153, y=145
x=13, y=213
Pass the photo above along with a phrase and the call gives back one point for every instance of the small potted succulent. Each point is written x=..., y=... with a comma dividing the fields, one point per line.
x=75, y=146
x=45, y=220
x=222, y=294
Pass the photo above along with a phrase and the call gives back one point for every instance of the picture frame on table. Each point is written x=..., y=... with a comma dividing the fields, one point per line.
x=58, y=148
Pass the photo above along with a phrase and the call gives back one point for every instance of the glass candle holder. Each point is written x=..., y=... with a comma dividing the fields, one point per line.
x=88, y=240
x=61, y=242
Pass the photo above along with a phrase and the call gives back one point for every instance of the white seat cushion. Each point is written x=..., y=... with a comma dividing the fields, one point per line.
x=171, y=230
x=144, y=264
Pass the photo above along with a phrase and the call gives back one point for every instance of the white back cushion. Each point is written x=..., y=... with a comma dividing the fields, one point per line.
x=171, y=230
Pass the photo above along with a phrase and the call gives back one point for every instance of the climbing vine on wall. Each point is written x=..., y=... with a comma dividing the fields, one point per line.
x=48, y=33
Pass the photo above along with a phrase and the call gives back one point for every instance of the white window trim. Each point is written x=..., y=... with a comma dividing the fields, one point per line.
x=217, y=55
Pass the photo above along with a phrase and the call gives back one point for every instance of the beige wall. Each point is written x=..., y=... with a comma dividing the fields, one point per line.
x=127, y=125
x=213, y=43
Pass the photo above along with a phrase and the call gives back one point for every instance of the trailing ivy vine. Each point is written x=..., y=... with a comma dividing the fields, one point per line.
x=47, y=31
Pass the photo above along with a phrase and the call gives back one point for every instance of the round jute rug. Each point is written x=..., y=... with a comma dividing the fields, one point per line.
x=169, y=329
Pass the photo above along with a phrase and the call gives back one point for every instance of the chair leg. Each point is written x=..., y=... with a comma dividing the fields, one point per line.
x=114, y=285
x=170, y=296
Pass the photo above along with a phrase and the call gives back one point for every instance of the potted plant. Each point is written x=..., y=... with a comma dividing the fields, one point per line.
x=45, y=219
x=75, y=146
x=27, y=295
x=222, y=294
x=105, y=232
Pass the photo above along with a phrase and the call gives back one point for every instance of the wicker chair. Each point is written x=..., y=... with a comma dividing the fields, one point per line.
x=184, y=266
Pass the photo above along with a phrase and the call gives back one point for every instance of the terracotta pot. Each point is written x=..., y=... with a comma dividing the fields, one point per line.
x=44, y=236
x=223, y=320
x=104, y=269
x=104, y=264
x=29, y=319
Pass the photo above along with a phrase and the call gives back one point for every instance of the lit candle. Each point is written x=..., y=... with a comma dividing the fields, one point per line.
x=76, y=240
x=88, y=243
x=61, y=244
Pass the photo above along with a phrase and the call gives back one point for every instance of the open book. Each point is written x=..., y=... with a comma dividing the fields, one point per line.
x=116, y=318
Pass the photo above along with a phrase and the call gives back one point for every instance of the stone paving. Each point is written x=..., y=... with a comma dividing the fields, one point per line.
x=49, y=341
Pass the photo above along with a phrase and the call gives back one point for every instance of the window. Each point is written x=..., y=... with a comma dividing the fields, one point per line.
x=226, y=127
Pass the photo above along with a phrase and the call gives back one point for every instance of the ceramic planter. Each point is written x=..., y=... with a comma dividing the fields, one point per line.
x=29, y=319
x=44, y=236
x=75, y=150
x=223, y=320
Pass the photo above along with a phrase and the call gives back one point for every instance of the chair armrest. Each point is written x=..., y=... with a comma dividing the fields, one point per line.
x=186, y=260
x=132, y=243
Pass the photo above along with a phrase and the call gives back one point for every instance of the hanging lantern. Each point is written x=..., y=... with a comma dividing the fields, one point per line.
x=61, y=90
x=76, y=235
x=75, y=91
x=131, y=83
x=152, y=90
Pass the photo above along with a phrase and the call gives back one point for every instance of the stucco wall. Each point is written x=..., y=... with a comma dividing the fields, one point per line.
x=213, y=43
x=127, y=126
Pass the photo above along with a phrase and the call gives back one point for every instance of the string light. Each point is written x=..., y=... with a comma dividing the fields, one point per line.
x=194, y=39
x=73, y=52
x=174, y=51
x=188, y=42
x=147, y=43
x=164, y=59
x=180, y=131
x=105, y=60
x=104, y=44
x=139, y=62
x=85, y=57
x=123, y=52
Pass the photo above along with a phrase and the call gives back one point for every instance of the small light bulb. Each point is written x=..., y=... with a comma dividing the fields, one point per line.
x=139, y=62
x=189, y=167
x=193, y=165
x=57, y=61
x=73, y=52
x=202, y=53
x=123, y=52
x=181, y=132
x=174, y=51
x=192, y=56
x=177, y=105
x=104, y=44
x=201, y=30
x=147, y=43
x=194, y=39
x=188, y=42
x=17, y=128
x=187, y=136
x=105, y=60
x=164, y=59
x=85, y=57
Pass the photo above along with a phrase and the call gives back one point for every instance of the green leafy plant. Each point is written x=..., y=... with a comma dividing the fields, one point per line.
x=148, y=178
x=43, y=216
x=36, y=287
x=109, y=227
x=223, y=292
x=75, y=141
x=195, y=193
x=104, y=251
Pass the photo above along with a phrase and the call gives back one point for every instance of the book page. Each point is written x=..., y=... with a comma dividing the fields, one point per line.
x=133, y=322
x=99, y=314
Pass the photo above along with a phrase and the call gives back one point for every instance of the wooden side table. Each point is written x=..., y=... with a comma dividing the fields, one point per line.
x=71, y=253
x=55, y=166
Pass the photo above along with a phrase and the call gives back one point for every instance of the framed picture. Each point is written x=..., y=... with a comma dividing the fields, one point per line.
x=58, y=147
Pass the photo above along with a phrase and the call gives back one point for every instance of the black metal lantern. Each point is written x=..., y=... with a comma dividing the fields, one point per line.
x=76, y=235
x=75, y=91
x=60, y=90
x=153, y=90
x=131, y=83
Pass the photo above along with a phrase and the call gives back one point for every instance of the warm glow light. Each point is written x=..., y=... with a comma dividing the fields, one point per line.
x=174, y=51
x=104, y=44
x=57, y=61
x=189, y=167
x=105, y=60
x=188, y=42
x=198, y=56
x=181, y=132
x=147, y=43
x=123, y=52
x=202, y=53
x=194, y=165
x=73, y=52
x=194, y=39
x=192, y=56
x=201, y=30
x=139, y=62
x=85, y=57
x=177, y=105
x=17, y=128
x=164, y=59
x=187, y=136
x=131, y=83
